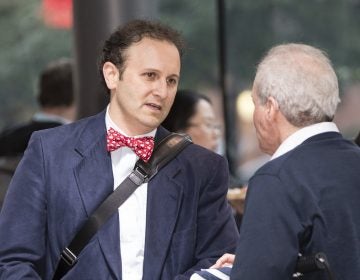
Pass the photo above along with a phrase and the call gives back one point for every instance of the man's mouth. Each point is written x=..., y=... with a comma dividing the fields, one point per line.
x=154, y=106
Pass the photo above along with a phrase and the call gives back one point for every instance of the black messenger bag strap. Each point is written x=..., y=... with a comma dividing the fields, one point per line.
x=165, y=151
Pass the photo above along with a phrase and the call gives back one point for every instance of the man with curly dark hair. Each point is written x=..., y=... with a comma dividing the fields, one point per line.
x=170, y=226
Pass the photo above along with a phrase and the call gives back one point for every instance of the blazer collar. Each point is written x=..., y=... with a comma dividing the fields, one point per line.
x=95, y=182
x=165, y=196
x=94, y=172
x=161, y=133
x=324, y=136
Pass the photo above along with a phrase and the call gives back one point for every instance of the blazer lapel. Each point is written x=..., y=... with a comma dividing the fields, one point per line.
x=95, y=182
x=165, y=194
x=94, y=176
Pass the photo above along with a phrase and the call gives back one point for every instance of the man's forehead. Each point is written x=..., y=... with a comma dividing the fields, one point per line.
x=151, y=46
x=152, y=53
x=146, y=40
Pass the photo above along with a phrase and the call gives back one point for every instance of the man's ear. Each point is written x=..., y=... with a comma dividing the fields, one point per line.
x=272, y=108
x=111, y=75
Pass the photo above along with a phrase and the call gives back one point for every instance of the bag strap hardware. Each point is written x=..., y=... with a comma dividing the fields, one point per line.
x=69, y=257
x=138, y=176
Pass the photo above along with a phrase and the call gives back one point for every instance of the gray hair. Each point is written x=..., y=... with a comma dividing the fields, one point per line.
x=303, y=82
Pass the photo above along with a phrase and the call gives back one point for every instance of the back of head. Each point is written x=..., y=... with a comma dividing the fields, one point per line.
x=183, y=108
x=114, y=49
x=302, y=80
x=56, y=84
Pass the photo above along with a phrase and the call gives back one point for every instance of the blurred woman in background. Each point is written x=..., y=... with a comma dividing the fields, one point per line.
x=192, y=113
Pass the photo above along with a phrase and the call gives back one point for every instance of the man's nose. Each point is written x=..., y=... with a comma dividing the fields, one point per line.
x=161, y=88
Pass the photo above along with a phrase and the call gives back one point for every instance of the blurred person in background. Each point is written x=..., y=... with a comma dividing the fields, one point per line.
x=56, y=107
x=192, y=113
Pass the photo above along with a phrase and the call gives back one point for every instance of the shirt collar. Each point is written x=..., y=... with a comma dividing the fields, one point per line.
x=110, y=123
x=303, y=134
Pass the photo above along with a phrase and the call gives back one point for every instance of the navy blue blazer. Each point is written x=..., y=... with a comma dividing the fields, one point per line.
x=66, y=173
x=305, y=201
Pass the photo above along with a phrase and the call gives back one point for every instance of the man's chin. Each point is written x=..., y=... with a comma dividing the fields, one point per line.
x=151, y=125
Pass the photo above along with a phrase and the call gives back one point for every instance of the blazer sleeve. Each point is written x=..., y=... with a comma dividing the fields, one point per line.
x=216, y=228
x=23, y=219
x=268, y=245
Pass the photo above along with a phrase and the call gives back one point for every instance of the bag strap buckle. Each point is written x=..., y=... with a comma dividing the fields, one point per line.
x=68, y=257
x=138, y=176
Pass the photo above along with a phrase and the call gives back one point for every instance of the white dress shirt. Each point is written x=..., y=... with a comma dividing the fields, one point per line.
x=132, y=213
x=303, y=134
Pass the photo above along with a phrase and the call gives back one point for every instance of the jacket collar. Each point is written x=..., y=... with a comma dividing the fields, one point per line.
x=95, y=182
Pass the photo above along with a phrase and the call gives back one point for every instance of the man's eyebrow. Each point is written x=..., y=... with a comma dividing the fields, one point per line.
x=174, y=75
x=151, y=70
x=158, y=71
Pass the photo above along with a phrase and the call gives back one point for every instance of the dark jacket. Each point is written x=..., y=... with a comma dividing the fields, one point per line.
x=306, y=201
x=13, y=141
x=64, y=175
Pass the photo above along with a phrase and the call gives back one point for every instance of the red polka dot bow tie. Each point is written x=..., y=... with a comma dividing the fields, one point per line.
x=142, y=146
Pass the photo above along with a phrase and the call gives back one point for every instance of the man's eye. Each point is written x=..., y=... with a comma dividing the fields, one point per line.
x=172, y=81
x=150, y=75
